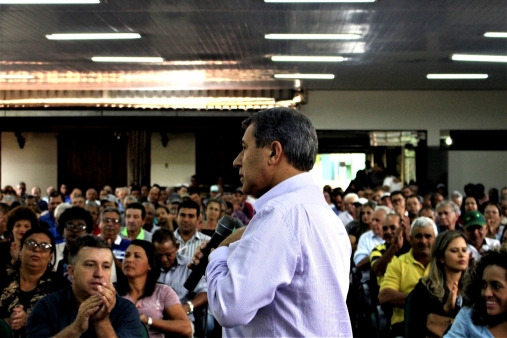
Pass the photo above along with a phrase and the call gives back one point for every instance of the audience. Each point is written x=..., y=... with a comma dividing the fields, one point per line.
x=91, y=308
x=393, y=233
x=158, y=305
x=438, y=296
x=404, y=273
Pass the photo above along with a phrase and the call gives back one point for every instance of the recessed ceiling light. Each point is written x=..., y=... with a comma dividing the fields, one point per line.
x=295, y=58
x=456, y=76
x=313, y=36
x=47, y=2
x=305, y=76
x=495, y=34
x=483, y=58
x=317, y=1
x=8, y=77
x=93, y=36
x=126, y=59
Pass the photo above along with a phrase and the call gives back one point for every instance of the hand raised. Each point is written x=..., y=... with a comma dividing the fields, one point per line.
x=451, y=300
x=86, y=310
x=108, y=298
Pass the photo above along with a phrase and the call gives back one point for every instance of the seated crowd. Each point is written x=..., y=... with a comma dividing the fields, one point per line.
x=114, y=263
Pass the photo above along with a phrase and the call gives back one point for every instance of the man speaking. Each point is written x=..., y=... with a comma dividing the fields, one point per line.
x=287, y=273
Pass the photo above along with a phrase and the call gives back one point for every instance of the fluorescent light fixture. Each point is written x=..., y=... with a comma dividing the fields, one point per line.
x=47, y=2
x=93, y=36
x=483, y=58
x=295, y=58
x=495, y=34
x=312, y=36
x=126, y=59
x=456, y=76
x=305, y=76
x=319, y=1
x=14, y=77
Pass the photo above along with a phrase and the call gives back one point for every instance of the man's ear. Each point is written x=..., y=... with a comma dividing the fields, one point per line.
x=70, y=270
x=276, y=151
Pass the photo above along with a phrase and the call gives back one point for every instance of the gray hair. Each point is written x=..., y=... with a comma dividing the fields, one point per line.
x=61, y=208
x=149, y=204
x=385, y=209
x=423, y=222
x=129, y=199
x=456, y=194
x=292, y=129
x=110, y=209
x=454, y=207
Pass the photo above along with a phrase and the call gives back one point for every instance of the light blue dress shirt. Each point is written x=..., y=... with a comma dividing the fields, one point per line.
x=288, y=276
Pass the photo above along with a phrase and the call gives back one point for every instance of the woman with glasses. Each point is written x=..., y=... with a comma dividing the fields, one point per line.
x=19, y=221
x=31, y=279
x=72, y=224
x=158, y=305
x=436, y=299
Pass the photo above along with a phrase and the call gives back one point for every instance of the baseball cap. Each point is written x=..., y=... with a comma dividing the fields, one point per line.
x=175, y=198
x=110, y=198
x=473, y=218
x=361, y=201
x=214, y=188
x=384, y=195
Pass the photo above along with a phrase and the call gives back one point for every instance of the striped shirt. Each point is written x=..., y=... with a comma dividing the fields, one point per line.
x=187, y=249
x=288, y=276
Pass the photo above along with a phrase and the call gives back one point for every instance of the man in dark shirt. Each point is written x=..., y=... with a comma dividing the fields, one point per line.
x=91, y=308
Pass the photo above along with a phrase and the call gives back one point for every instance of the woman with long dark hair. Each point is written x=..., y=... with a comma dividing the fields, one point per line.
x=437, y=297
x=158, y=305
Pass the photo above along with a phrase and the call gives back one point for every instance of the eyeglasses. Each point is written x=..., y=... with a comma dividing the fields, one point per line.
x=111, y=220
x=43, y=247
x=75, y=227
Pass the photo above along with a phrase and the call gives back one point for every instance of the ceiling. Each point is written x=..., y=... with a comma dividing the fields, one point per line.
x=401, y=42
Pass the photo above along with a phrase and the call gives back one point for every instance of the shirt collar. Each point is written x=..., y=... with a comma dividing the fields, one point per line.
x=125, y=234
x=283, y=187
x=197, y=235
x=117, y=241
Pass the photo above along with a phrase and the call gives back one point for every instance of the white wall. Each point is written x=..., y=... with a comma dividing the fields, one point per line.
x=407, y=110
x=35, y=164
x=174, y=164
x=486, y=167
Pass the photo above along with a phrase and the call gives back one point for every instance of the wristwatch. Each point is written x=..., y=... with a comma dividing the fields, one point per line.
x=150, y=321
x=191, y=306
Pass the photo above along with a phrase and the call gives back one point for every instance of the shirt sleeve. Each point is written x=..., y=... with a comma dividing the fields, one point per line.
x=244, y=277
x=202, y=286
x=126, y=320
x=39, y=321
x=362, y=250
x=168, y=295
x=460, y=326
x=392, y=277
x=374, y=255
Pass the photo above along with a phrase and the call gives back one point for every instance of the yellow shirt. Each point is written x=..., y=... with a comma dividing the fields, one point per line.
x=402, y=275
x=376, y=253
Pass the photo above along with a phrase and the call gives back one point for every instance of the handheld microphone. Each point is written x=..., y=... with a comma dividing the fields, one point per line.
x=223, y=230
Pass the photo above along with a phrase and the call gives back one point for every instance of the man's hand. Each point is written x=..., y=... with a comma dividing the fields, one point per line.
x=108, y=298
x=18, y=318
x=198, y=255
x=398, y=238
x=86, y=310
